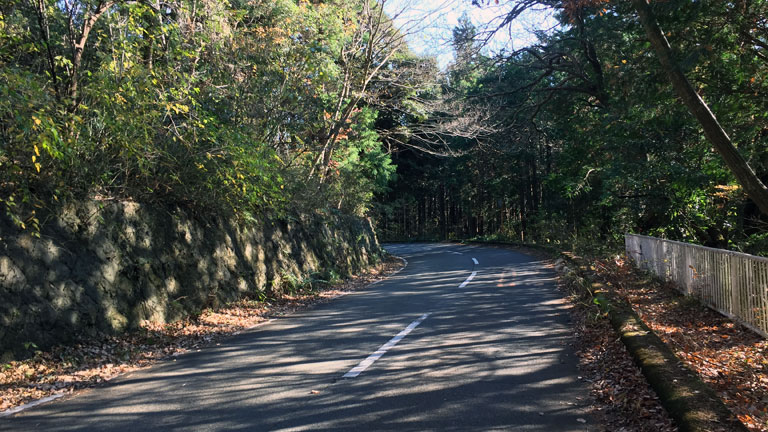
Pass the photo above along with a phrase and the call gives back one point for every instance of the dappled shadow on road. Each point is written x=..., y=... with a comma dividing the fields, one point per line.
x=491, y=356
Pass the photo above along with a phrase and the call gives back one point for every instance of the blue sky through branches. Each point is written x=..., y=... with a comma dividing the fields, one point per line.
x=428, y=25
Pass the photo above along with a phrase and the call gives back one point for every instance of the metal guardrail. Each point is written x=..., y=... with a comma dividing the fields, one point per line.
x=733, y=283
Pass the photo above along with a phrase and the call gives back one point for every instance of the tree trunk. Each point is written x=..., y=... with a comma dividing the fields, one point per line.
x=45, y=36
x=535, y=193
x=744, y=174
x=422, y=215
x=522, y=204
x=443, y=226
x=89, y=20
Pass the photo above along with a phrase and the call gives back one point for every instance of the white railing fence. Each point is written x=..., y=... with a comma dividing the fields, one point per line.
x=735, y=284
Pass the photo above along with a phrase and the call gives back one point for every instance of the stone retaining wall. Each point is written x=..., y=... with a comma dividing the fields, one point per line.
x=108, y=266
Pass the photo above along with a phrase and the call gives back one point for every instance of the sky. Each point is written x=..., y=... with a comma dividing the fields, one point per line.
x=428, y=25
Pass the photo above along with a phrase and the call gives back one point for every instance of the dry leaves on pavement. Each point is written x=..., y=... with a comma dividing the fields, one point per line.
x=67, y=368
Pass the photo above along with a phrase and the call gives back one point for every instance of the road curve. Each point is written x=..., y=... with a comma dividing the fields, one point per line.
x=463, y=338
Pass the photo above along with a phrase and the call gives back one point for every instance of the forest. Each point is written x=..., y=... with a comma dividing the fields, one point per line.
x=622, y=117
x=585, y=136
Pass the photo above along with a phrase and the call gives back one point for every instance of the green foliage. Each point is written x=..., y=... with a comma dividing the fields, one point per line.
x=362, y=166
x=218, y=106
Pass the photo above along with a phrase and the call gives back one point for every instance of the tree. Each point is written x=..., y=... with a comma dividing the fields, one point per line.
x=746, y=176
x=371, y=42
x=714, y=132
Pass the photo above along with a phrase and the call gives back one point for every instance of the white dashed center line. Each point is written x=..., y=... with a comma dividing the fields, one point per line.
x=466, y=281
x=363, y=365
x=471, y=276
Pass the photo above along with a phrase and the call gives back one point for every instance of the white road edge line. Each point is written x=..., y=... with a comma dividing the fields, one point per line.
x=258, y=324
x=21, y=408
x=405, y=264
x=474, y=260
x=363, y=365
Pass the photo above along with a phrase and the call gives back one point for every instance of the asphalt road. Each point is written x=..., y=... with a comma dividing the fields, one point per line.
x=445, y=351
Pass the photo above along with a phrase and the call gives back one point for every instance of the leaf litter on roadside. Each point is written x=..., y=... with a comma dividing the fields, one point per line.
x=94, y=360
x=727, y=356
x=623, y=400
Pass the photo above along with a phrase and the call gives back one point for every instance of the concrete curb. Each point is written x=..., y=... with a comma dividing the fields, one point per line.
x=687, y=399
